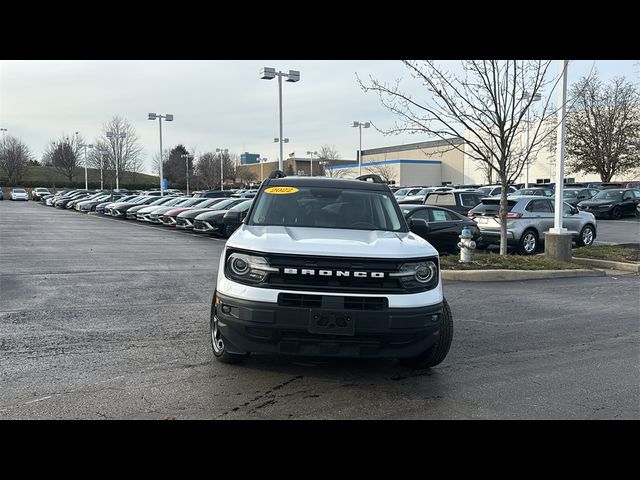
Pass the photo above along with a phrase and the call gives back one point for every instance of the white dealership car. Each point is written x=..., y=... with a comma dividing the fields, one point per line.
x=19, y=194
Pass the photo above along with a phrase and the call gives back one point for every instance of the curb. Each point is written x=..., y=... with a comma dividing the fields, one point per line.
x=511, y=275
x=629, y=267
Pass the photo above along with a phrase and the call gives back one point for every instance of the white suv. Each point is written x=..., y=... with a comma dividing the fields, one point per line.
x=329, y=267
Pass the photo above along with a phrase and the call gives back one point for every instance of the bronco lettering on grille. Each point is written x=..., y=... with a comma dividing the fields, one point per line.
x=330, y=273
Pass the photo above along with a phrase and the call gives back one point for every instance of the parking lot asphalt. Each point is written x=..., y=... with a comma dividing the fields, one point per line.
x=105, y=318
x=625, y=230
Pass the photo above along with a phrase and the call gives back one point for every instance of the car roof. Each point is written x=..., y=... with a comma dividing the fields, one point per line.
x=326, y=182
x=455, y=190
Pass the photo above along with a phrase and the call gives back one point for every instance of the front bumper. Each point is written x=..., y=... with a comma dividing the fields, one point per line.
x=249, y=326
x=206, y=227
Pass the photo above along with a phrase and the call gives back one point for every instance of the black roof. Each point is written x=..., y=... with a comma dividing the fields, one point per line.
x=326, y=182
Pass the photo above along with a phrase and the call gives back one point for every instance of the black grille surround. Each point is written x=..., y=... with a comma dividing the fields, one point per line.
x=281, y=281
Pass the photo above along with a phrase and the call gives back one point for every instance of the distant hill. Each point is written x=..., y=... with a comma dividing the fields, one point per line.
x=39, y=176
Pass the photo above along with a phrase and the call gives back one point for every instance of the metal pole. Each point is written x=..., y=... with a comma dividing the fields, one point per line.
x=101, y=164
x=557, y=225
x=526, y=175
x=261, y=174
x=311, y=165
x=221, y=174
x=187, y=175
x=86, y=182
x=280, y=163
x=161, y=182
x=117, y=164
x=360, y=151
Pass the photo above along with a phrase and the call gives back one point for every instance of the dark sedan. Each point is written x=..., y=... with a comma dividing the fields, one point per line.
x=119, y=209
x=573, y=196
x=211, y=222
x=612, y=203
x=184, y=220
x=234, y=217
x=444, y=226
x=102, y=207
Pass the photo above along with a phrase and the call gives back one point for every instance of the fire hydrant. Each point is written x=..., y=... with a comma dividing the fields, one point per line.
x=466, y=245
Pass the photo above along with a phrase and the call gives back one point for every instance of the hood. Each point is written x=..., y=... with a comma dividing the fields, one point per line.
x=319, y=241
x=593, y=203
x=211, y=215
x=194, y=212
x=158, y=209
x=175, y=211
x=120, y=205
x=137, y=208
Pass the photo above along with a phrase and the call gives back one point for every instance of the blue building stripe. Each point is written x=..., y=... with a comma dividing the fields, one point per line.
x=385, y=162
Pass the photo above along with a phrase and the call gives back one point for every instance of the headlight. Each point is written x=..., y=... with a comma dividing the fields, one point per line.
x=418, y=274
x=248, y=268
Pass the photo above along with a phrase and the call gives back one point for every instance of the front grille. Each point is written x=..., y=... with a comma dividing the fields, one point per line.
x=334, y=283
x=315, y=301
x=199, y=224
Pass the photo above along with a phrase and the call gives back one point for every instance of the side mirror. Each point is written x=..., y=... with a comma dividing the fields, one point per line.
x=419, y=226
x=243, y=215
x=574, y=211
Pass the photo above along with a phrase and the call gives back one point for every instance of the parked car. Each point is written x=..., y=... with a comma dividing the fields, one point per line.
x=419, y=197
x=404, y=193
x=38, y=192
x=102, y=208
x=214, y=193
x=460, y=201
x=612, y=203
x=119, y=209
x=633, y=184
x=491, y=190
x=91, y=205
x=61, y=201
x=184, y=221
x=132, y=213
x=72, y=204
x=444, y=226
x=540, y=192
x=234, y=217
x=144, y=214
x=528, y=218
x=212, y=222
x=1, y=194
x=573, y=196
x=19, y=194
x=169, y=217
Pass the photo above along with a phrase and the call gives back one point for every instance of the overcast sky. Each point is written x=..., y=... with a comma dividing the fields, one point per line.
x=216, y=104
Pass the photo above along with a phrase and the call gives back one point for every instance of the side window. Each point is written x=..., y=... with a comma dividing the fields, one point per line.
x=446, y=199
x=539, y=206
x=468, y=200
x=431, y=199
x=497, y=191
x=437, y=215
x=421, y=214
x=566, y=209
x=636, y=193
x=628, y=196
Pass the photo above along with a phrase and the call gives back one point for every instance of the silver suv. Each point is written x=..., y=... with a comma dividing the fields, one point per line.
x=528, y=218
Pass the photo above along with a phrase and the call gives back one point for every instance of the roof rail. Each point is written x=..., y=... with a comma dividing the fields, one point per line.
x=375, y=178
x=277, y=174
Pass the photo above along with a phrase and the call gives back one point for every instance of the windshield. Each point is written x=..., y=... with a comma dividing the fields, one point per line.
x=484, y=190
x=19, y=190
x=570, y=193
x=327, y=208
x=402, y=191
x=225, y=203
x=526, y=191
x=160, y=201
x=608, y=195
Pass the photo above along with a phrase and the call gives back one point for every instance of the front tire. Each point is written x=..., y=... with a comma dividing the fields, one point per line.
x=528, y=244
x=616, y=213
x=587, y=236
x=436, y=353
x=218, y=342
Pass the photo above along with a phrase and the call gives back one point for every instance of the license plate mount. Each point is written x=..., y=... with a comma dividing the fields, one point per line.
x=332, y=322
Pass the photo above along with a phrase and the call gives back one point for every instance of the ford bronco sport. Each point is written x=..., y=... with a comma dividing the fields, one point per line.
x=329, y=267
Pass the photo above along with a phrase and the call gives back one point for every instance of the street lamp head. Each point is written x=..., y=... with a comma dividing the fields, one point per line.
x=168, y=117
x=152, y=116
x=286, y=140
x=276, y=140
x=356, y=124
x=226, y=150
x=293, y=76
x=367, y=124
x=90, y=146
x=267, y=73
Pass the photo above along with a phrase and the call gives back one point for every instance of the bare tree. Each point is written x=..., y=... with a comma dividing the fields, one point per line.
x=14, y=158
x=327, y=159
x=246, y=176
x=383, y=170
x=486, y=106
x=208, y=170
x=64, y=155
x=603, y=128
x=127, y=151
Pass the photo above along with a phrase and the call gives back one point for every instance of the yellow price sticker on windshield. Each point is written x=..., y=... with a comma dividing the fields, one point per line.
x=281, y=190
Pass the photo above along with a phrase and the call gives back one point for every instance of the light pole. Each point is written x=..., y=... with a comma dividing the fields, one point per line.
x=186, y=156
x=222, y=151
x=312, y=154
x=101, y=167
x=360, y=125
x=115, y=136
x=268, y=73
x=169, y=118
x=86, y=179
x=261, y=160
x=3, y=130
x=536, y=97
x=559, y=196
